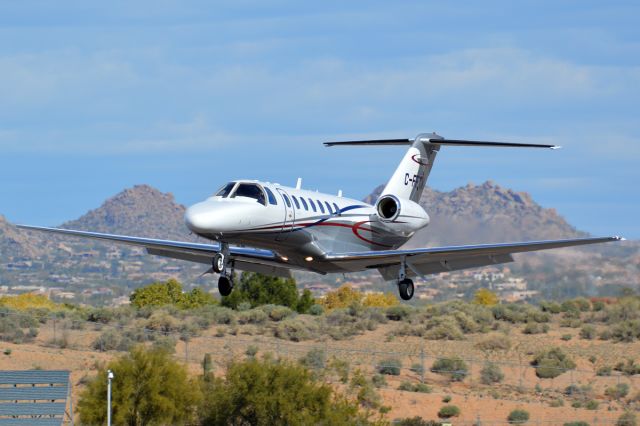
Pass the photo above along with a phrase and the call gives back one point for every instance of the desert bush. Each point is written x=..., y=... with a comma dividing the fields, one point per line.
x=485, y=297
x=591, y=404
x=518, y=416
x=398, y=313
x=342, y=297
x=579, y=423
x=491, y=374
x=253, y=316
x=604, y=371
x=552, y=363
x=448, y=411
x=278, y=313
x=515, y=313
x=315, y=359
x=535, y=328
x=165, y=343
x=251, y=351
x=443, y=328
x=296, y=330
x=380, y=300
x=170, y=293
x=626, y=331
x=566, y=337
x=588, y=332
x=411, y=387
x=417, y=368
x=494, y=342
x=316, y=310
x=107, y=341
x=379, y=380
x=415, y=421
x=628, y=368
x=551, y=307
x=627, y=419
x=618, y=391
x=455, y=368
x=390, y=366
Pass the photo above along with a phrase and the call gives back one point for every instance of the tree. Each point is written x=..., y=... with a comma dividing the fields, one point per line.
x=485, y=297
x=380, y=300
x=170, y=293
x=268, y=392
x=149, y=387
x=258, y=289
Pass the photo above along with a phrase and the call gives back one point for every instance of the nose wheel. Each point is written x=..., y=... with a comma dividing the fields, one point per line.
x=406, y=289
x=219, y=263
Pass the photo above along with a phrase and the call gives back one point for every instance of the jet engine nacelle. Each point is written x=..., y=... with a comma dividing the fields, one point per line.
x=401, y=214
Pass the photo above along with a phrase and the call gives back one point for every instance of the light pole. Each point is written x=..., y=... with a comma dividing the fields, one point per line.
x=109, y=378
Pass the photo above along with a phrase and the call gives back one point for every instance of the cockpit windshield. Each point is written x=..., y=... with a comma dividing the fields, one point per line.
x=250, y=190
x=225, y=190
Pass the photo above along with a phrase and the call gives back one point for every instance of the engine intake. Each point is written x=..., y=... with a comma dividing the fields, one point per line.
x=388, y=208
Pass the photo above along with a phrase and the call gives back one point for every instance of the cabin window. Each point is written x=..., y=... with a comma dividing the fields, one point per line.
x=320, y=206
x=295, y=201
x=272, y=198
x=313, y=206
x=328, y=206
x=286, y=200
x=250, y=190
x=337, y=211
x=304, y=204
x=225, y=190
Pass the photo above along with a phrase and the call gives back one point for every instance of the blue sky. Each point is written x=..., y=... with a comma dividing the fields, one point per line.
x=96, y=97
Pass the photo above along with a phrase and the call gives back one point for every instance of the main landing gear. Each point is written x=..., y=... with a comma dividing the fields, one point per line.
x=405, y=285
x=219, y=265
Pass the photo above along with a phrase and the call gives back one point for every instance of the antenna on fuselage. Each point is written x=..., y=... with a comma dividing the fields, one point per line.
x=339, y=192
x=299, y=183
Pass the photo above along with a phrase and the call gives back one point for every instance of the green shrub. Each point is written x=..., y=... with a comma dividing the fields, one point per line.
x=518, y=416
x=379, y=380
x=566, y=337
x=296, y=330
x=580, y=423
x=315, y=359
x=316, y=310
x=588, y=332
x=455, y=368
x=415, y=421
x=418, y=387
x=551, y=307
x=494, y=342
x=448, y=411
x=552, y=363
x=535, y=328
x=604, y=371
x=251, y=351
x=629, y=368
x=170, y=293
x=591, y=404
x=398, y=312
x=626, y=331
x=417, y=368
x=627, y=419
x=390, y=366
x=446, y=399
x=491, y=374
x=618, y=391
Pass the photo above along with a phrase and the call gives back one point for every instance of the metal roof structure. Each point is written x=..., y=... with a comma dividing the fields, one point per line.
x=35, y=397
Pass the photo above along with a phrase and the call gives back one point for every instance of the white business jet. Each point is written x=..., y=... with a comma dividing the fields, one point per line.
x=273, y=229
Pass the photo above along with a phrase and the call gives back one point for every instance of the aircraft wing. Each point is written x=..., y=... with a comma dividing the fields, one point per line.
x=424, y=261
x=245, y=258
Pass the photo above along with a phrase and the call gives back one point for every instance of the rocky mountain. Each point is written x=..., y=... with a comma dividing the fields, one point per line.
x=16, y=244
x=140, y=211
x=485, y=213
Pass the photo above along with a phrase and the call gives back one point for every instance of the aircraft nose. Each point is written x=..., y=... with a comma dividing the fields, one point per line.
x=200, y=218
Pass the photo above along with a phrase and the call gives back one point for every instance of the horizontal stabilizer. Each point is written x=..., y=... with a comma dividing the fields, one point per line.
x=373, y=142
x=435, y=139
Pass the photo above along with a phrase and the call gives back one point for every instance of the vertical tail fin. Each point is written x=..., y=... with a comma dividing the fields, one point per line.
x=408, y=181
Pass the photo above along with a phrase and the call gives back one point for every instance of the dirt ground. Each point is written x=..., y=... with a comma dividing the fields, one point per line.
x=490, y=404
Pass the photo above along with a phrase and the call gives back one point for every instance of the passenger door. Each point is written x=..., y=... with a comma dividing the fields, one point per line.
x=289, y=215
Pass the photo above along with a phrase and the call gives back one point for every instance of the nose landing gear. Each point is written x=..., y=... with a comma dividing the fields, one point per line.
x=219, y=265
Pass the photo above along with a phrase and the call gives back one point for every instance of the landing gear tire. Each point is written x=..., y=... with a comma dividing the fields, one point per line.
x=218, y=263
x=224, y=286
x=406, y=289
